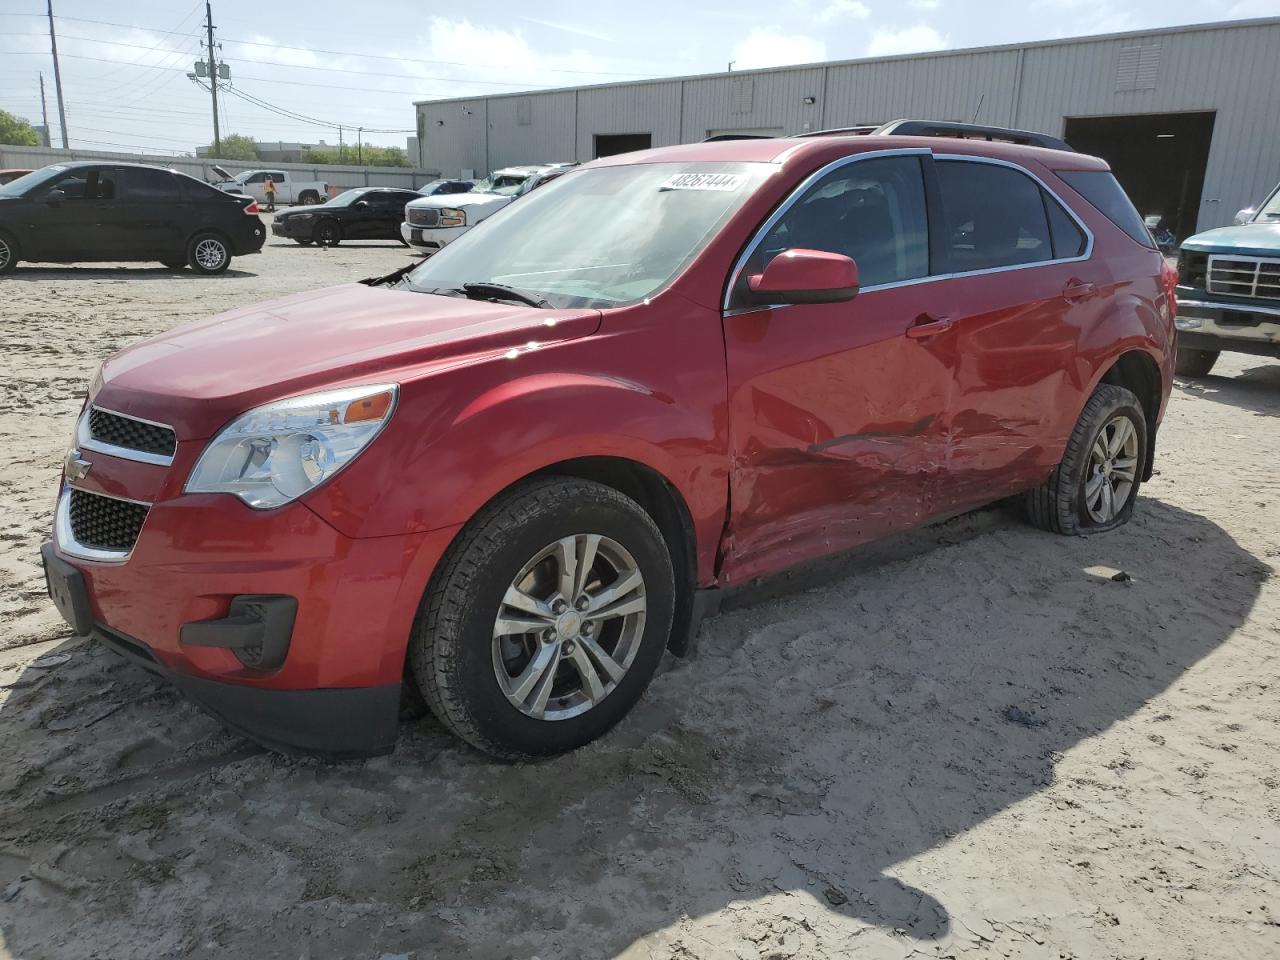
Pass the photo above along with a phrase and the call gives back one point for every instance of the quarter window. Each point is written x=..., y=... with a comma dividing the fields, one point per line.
x=872, y=211
x=1068, y=238
x=994, y=216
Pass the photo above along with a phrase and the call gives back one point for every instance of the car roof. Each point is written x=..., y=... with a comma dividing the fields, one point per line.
x=805, y=150
x=78, y=164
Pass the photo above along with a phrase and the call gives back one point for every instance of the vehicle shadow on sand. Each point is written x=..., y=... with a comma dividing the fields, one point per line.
x=1257, y=389
x=820, y=738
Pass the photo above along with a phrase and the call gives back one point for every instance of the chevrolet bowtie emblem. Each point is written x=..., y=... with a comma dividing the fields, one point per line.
x=75, y=468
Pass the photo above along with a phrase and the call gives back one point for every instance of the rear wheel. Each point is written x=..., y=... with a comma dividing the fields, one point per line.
x=1194, y=363
x=1095, y=486
x=208, y=253
x=546, y=619
x=308, y=197
x=8, y=253
x=328, y=233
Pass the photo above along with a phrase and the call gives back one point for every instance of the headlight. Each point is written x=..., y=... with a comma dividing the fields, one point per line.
x=301, y=216
x=452, y=217
x=278, y=452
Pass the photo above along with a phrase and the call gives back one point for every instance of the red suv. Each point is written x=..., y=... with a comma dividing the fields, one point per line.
x=515, y=474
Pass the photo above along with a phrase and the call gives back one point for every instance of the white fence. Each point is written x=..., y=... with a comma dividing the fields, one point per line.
x=339, y=178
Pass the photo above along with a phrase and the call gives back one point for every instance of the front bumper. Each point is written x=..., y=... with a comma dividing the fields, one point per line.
x=1237, y=327
x=292, y=229
x=430, y=238
x=335, y=687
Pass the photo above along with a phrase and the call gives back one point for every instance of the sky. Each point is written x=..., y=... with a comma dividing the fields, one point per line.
x=299, y=70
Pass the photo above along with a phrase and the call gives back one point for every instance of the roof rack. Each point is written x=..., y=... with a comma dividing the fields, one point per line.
x=858, y=131
x=738, y=136
x=971, y=131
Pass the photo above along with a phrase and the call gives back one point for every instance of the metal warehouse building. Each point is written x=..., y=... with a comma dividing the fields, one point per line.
x=1188, y=117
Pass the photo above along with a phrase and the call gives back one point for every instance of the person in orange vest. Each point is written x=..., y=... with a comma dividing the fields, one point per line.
x=269, y=187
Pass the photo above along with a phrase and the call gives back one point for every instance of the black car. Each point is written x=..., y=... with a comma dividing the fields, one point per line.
x=436, y=187
x=72, y=212
x=366, y=213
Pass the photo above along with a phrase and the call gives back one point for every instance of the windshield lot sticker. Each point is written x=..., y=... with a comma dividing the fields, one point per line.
x=704, y=181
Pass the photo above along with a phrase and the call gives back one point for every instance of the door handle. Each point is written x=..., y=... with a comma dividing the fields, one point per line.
x=1078, y=290
x=926, y=326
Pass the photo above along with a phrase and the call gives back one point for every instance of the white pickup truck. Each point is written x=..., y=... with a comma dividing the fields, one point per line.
x=288, y=190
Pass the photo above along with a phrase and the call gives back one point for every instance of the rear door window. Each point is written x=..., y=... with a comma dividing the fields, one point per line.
x=1103, y=190
x=146, y=186
x=994, y=216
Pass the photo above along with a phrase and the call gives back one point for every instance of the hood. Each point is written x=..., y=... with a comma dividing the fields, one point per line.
x=221, y=172
x=1248, y=239
x=199, y=376
x=461, y=200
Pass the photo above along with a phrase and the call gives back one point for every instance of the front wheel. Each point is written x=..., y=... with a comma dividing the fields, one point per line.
x=8, y=254
x=1194, y=363
x=1095, y=486
x=546, y=619
x=208, y=253
x=308, y=197
x=328, y=233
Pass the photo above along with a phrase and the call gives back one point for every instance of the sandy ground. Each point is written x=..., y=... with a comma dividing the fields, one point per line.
x=971, y=742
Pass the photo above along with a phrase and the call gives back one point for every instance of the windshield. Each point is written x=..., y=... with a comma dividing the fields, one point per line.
x=1271, y=209
x=598, y=237
x=19, y=187
x=345, y=199
x=503, y=184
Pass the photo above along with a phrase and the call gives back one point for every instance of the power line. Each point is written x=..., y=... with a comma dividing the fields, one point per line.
x=352, y=53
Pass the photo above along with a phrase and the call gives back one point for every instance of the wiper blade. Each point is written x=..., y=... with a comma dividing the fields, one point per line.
x=503, y=292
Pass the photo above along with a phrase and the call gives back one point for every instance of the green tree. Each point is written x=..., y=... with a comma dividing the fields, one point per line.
x=16, y=131
x=368, y=155
x=234, y=146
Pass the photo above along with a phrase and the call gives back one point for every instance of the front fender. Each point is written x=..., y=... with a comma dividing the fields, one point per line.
x=461, y=437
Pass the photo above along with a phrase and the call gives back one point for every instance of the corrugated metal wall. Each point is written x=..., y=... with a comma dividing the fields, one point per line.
x=1233, y=69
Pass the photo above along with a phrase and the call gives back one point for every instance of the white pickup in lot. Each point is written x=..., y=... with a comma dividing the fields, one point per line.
x=435, y=221
x=288, y=189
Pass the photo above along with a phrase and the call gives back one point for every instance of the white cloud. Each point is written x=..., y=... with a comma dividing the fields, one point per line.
x=924, y=4
x=1073, y=18
x=917, y=39
x=1246, y=9
x=770, y=47
x=837, y=10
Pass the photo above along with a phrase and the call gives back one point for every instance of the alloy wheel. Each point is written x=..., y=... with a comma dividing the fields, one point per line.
x=5, y=253
x=1112, y=470
x=210, y=254
x=569, y=627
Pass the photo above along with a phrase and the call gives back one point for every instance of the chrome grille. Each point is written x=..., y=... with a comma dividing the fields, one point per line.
x=105, y=523
x=424, y=216
x=121, y=431
x=1244, y=277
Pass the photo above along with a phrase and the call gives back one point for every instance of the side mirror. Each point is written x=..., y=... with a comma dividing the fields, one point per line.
x=1245, y=215
x=806, y=276
x=54, y=197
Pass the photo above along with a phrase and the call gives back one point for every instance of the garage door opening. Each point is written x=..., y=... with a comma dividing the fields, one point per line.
x=609, y=144
x=1158, y=158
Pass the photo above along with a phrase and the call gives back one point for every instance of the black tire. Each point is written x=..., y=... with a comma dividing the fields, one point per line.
x=308, y=197
x=1059, y=504
x=9, y=253
x=175, y=263
x=1194, y=363
x=202, y=257
x=450, y=648
x=328, y=233
x=305, y=243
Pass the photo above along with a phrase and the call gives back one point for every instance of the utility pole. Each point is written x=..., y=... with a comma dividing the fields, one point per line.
x=340, y=151
x=213, y=78
x=44, y=110
x=360, y=146
x=57, y=79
